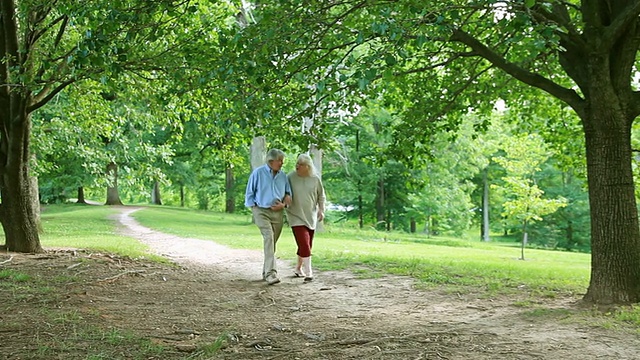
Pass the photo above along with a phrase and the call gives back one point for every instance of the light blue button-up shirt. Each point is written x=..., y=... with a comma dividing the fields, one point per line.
x=264, y=189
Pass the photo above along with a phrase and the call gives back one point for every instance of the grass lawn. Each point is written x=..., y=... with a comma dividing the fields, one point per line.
x=433, y=261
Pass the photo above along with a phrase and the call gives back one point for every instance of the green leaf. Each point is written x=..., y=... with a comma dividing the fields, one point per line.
x=390, y=59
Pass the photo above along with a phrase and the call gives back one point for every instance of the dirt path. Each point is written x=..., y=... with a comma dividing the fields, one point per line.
x=215, y=295
x=339, y=316
x=229, y=263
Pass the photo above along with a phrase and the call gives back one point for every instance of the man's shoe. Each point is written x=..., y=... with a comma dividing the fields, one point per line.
x=308, y=279
x=272, y=280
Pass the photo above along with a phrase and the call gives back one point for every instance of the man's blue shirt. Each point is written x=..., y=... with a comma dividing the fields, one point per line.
x=264, y=189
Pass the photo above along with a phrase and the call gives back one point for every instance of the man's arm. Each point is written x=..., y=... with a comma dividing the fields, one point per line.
x=250, y=193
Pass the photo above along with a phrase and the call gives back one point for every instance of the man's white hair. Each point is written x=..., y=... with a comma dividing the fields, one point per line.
x=274, y=154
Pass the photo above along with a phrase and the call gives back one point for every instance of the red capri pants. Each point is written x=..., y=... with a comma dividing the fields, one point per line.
x=304, y=239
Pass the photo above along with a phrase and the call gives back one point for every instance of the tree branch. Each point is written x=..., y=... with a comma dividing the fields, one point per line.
x=560, y=17
x=620, y=24
x=569, y=96
x=9, y=33
x=44, y=96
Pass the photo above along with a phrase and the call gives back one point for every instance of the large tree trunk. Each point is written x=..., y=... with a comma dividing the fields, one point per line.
x=35, y=202
x=113, y=196
x=615, y=236
x=18, y=212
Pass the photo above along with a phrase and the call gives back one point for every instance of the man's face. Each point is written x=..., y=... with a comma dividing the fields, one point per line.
x=276, y=165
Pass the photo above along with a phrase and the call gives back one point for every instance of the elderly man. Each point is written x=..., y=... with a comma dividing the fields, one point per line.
x=268, y=193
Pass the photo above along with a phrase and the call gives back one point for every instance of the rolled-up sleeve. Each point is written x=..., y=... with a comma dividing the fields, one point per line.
x=250, y=193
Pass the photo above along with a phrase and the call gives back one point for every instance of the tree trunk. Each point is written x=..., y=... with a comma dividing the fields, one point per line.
x=569, y=235
x=524, y=239
x=35, y=201
x=229, y=190
x=81, y=199
x=485, y=205
x=360, y=209
x=113, y=196
x=427, y=225
x=181, y=195
x=155, y=194
x=388, y=220
x=258, y=151
x=568, y=177
x=380, y=214
x=615, y=236
x=18, y=214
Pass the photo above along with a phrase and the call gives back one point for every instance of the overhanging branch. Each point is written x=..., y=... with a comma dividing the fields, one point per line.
x=44, y=96
x=620, y=24
x=569, y=96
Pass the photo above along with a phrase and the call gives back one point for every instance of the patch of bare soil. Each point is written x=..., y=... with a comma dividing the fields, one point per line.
x=216, y=293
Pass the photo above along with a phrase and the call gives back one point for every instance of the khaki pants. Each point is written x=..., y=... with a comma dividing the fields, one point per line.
x=270, y=224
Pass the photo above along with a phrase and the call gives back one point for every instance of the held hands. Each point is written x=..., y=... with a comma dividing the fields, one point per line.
x=287, y=200
x=278, y=206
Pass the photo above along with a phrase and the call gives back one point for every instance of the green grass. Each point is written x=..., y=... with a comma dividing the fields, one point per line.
x=630, y=315
x=432, y=260
x=97, y=343
x=87, y=227
x=456, y=263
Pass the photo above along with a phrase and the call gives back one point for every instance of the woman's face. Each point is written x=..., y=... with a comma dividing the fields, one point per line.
x=302, y=169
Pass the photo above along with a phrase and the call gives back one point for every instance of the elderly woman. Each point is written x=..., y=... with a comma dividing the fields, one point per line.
x=306, y=209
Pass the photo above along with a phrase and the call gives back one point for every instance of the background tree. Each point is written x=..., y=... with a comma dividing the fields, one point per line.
x=568, y=227
x=524, y=202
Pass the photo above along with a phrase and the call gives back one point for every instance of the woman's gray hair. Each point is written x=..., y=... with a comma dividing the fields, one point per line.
x=305, y=159
x=274, y=154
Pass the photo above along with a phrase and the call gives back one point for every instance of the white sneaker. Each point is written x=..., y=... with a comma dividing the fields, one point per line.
x=306, y=269
x=272, y=280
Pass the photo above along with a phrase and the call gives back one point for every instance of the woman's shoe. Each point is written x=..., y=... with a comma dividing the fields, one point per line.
x=306, y=266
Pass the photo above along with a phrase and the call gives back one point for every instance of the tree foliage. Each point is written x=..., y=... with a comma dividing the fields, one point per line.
x=437, y=61
x=48, y=45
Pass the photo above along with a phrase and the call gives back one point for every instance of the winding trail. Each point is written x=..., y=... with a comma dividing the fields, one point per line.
x=228, y=262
